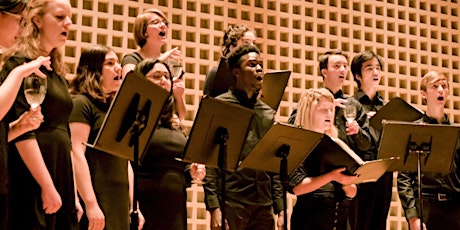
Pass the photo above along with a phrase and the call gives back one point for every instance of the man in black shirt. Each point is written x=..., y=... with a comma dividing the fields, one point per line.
x=233, y=36
x=441, y=193
x=252, y=196
x=334, y=69
x=374, y=198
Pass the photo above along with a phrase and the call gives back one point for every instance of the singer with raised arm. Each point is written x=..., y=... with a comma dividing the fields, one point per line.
x=12, y=19
x=42, y=184
x=252, y=196
x=323, y=197
x=441, y=193
x=353, y=131
x=150, y=33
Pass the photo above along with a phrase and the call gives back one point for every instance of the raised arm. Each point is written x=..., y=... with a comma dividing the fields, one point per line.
x=10, y=86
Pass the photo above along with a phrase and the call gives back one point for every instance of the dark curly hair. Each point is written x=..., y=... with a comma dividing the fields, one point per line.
x=234, y=57
x=231, y=37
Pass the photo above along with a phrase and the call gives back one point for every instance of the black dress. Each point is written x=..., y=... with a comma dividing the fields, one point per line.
x=162, y=182
x=54, y=141
x=4, y=177
x=323, y=209
x=109, y=174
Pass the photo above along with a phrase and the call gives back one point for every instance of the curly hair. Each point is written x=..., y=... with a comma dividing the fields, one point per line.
x=234, y=57
x=231, y=37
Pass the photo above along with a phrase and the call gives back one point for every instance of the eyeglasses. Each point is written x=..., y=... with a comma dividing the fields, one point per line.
x=21, y=19
x=157, y=22
x=157, y=77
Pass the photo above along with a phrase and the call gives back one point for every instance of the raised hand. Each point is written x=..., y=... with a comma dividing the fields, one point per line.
x=31, y=67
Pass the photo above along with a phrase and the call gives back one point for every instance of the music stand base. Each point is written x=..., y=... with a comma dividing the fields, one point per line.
x=283, y=152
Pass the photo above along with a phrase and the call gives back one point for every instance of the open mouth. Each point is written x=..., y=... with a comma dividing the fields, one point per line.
x=117, y=78
x=259, y=78
x=162, y=33
x=440, y=98
x=342, y=77
x=64, y=33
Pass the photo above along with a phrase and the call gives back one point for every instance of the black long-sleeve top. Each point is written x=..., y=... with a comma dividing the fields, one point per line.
x=374, y=105
x=431, y=182
x=246, y=186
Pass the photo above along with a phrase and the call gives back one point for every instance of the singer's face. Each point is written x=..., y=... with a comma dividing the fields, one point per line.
x=55, y=24
x=111, y=73
x=12, y=25
x=157, y=29
x=250, y=74
x=159, y=75
x=322, y=117
x=436, y=92
x=336, y=72
x=371, y=73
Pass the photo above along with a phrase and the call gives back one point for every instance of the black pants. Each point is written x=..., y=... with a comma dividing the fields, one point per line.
x=442, y=214
x=249, y=217
x=319, y=213
x=3, y=211
x=369, y=210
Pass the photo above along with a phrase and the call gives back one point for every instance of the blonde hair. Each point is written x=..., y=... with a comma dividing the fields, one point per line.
x=29, y=43
x=431, y=77
x=307, y=106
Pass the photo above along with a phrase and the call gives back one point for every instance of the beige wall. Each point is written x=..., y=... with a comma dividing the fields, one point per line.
x=412, y=36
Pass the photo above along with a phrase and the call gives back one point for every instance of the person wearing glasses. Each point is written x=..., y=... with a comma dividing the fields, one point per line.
x=163, y=178
x=150, y=33
x=42, y=192
x=13, y=22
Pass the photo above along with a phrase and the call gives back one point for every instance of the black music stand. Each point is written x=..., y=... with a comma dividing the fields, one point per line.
x=396, y=110
x=421, y=147
x=223, y=80
x=217, y=138
x=273, y=87
x=282, y=143
x=130, y=123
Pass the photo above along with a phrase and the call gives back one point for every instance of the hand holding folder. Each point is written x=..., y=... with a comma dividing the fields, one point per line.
x=332, y=153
